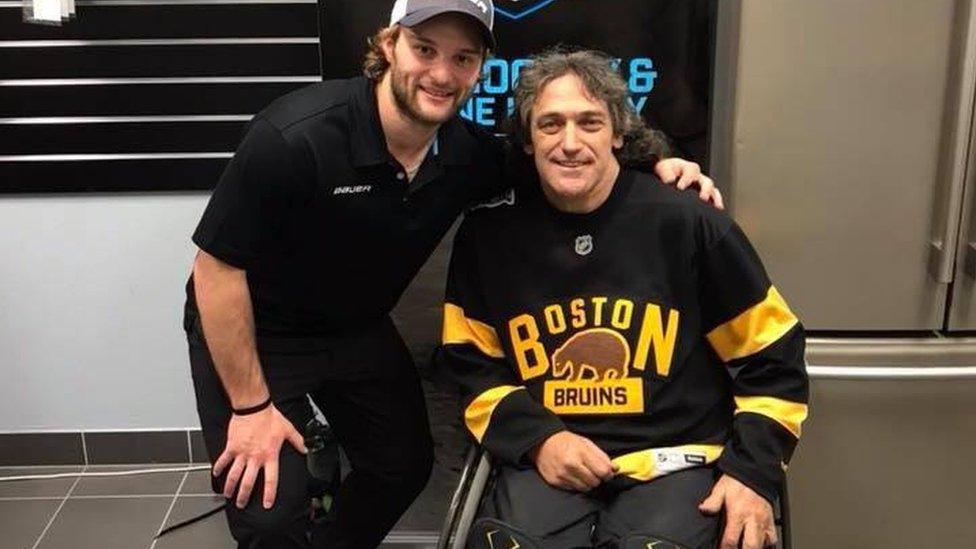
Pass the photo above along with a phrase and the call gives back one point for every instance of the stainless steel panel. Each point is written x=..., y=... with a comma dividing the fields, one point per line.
x=884, y=457
x=958, y=127
x=723, y=95
x=841, y=153
x=886, y=464
x=891, y=352
x=962, y=312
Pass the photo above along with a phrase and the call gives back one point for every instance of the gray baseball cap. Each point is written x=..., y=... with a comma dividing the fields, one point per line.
x=413, y=12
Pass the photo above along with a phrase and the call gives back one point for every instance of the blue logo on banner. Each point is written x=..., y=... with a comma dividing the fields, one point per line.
x=517, y=9
x=491, y=100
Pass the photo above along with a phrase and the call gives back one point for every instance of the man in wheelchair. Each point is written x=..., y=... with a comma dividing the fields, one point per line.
x=622, y=354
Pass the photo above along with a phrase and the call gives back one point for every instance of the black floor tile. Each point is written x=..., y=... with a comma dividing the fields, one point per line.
x=152, y=484
x=127, y=523
x=41, y=449
x=211, y=532
x=197, y=482
x=137, y=447
x=429, y=509
x=21, y=522
x=36, y=488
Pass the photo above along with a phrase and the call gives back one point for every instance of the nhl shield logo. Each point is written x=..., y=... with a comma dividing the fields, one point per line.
x=584, y=244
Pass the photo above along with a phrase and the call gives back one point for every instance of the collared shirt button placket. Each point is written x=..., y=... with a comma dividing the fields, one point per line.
x=401, y=177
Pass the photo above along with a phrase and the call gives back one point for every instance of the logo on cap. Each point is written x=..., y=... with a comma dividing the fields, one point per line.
x=414, y=12
x=480, y=4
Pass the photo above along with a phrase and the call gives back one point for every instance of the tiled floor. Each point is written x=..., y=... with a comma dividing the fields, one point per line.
x=127, y=512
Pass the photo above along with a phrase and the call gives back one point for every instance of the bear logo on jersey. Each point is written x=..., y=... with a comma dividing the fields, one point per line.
x=590, y=376
x=597, y=354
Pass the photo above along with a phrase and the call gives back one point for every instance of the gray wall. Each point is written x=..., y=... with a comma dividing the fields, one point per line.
x=91, y=293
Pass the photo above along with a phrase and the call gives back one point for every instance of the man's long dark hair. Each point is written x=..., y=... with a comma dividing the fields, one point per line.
x=603, y=83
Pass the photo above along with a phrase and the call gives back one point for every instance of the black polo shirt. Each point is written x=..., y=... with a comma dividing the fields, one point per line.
x=321, y=216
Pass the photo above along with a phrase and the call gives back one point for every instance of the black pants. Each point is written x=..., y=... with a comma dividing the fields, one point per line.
x=376, y=410
x=665, y=508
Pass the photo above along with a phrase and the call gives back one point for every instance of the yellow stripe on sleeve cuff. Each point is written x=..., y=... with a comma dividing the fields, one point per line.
x=477, y=415
x=787, y=413
x=459, y=329
x=753, y=330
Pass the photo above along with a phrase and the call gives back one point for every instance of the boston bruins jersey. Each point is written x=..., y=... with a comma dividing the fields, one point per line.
x=648, y=326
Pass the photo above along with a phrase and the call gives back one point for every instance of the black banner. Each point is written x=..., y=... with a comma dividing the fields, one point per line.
x=143, y=97
x=663, y=47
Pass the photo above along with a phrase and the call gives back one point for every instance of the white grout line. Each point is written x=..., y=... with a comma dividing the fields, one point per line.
x=138, y=464
x=108, y=496
x=122, y=496
x=77, y=498
x=76, y=467
x=168, y=511
x=84, y=447
x=183, y=468
x=56, y=511
x=189, y=447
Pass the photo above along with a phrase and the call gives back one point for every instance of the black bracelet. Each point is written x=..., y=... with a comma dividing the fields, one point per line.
x=252, y=409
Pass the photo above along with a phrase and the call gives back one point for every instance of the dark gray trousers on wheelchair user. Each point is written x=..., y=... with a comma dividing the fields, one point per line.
x=662, y=514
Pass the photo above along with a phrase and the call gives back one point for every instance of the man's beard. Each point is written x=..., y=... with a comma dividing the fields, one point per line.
x=401, y=98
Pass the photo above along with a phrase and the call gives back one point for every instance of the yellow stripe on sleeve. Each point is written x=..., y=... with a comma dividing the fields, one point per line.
x=649, y=464
x=459, y=329
x=787, y=413
x=754, y=330
x=477, y=415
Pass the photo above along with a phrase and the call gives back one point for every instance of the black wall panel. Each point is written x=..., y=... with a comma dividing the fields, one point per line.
x=140, y=99
x=151, y=61
x=123, y=137
x=170, y=21
x=138, y=93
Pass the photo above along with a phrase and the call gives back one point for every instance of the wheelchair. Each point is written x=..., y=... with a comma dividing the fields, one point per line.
x=475, y=478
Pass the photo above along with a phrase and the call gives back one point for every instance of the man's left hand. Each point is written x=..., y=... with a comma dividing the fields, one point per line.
x=748, y=516
x=686, y=174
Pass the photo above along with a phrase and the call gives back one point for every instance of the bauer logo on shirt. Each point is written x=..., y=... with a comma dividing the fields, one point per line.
x=355, y=189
